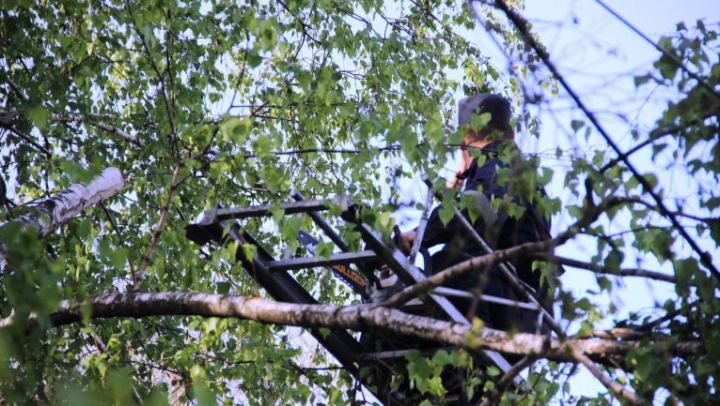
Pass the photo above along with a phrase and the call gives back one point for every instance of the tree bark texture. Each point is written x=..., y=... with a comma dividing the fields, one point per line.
x=46, y=216
x=358, y=317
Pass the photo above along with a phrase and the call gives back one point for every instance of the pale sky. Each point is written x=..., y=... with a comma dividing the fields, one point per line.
x=597, y=53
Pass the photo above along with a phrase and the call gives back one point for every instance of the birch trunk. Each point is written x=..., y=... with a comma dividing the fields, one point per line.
x=48, y=215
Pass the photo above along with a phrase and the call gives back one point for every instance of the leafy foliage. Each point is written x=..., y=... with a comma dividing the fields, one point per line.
x=201, y=103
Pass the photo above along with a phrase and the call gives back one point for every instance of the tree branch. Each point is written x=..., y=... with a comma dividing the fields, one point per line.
x=620, y=332
x=601, y=269
x=16, y=89
x=523, y=28
x=662, y=50
x=539, y=248
x=463, y=268
x=619, y=390
x=654, y=135
x=158, y=230
x=507, y=379
x=357, y=317
x=31, y=142
x=46, y=216
x=6, y=116
x=160, y=76
x=121, y=240
x=101, y=125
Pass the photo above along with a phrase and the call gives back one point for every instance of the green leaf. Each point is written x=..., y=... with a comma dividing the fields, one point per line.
x=478, y=122
x=576, y=125
x=324, y=249
x=446, y=213
x=223, y=288
x=641, y=80
x=253, y=58
x=236, y=130
x=249, y=251
x=39, y=116
x=118, y=258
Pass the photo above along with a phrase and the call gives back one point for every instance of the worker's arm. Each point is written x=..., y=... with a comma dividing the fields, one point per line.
x=436, y=232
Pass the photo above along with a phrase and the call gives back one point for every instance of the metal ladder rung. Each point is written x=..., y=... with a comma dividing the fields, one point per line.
x=449, y=292
x=235, y=213
x=403, y=353
x=413, y=306
x=270, y=274
x=345, y=258
x=409, y=275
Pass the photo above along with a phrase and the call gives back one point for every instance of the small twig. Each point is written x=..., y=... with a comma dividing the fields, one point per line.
x=102, y=349
x=618, y=390
x=601, y=269
x=667, y=317
x=7, y=115
x=652, y=137
x=31, y=142
x=157, y=72
x=158, y=229
x=113, y=224
x=303, y=26
x=662, y=50
x=112, y=129
x=16, y=89
x=507, y=379
x=675, y=213
x=101, y=125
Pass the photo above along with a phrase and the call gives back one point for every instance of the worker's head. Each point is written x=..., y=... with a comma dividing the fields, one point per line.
x=486, y=117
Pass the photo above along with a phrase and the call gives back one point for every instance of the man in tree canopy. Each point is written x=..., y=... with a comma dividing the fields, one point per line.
x=491, y=168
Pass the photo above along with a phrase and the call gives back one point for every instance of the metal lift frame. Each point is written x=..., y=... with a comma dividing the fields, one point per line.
x=272, y=275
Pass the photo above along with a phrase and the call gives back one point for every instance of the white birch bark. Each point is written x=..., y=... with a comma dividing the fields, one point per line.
x=46, y=216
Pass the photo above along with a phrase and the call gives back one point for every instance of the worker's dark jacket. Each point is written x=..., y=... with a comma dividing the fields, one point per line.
x=496, y=180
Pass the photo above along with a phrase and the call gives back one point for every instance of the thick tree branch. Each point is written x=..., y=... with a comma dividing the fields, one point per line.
x=358, y=317
x=46, y=216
